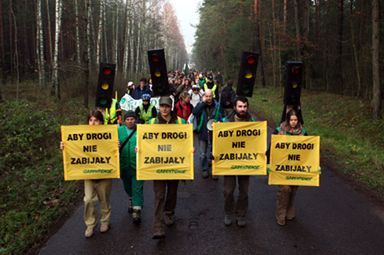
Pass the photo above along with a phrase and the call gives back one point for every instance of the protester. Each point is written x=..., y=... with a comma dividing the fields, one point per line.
x=130, y=88
x=96, y=190
x=240, y=114
x=165, y=191
x=211, y=85
x=205, y=111
x=133, y=187
x=196, y=95
x=145, y=111
x=228, y=96
x=142, y=89
x=184, y=107
x=285, y=209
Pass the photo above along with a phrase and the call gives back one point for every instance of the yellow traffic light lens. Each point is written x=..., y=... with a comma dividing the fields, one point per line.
x=294, y=85
x=105, y=86
x=157, y=74
x=248, y=75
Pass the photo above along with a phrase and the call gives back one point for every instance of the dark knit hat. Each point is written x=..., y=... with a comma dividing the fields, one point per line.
x=129, y=114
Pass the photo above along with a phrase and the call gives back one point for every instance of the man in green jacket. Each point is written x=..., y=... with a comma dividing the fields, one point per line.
x=133, y=187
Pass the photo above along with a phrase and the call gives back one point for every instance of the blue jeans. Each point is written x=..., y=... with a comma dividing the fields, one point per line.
x=205, y=154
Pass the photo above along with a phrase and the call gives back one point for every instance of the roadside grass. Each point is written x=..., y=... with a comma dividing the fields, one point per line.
x=348, y=135
x=33, y=194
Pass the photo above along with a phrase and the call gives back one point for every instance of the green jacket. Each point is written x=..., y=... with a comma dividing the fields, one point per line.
x=128, y=153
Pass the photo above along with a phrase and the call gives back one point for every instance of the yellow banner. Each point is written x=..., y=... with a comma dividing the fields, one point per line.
x=239, y=148
x=165, y=152
x=90, y=152
x=295, y=160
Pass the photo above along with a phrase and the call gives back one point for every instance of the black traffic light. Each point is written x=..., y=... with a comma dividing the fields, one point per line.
x=105, y=85
x=293, y=83
x=158, y=69
x=247, y=74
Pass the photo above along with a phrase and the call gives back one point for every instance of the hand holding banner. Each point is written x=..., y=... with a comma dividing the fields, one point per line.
x=90, y=152
x=295, y=160
x=239, y=148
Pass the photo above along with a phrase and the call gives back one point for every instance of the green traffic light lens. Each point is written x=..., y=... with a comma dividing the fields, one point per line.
x=103, y=102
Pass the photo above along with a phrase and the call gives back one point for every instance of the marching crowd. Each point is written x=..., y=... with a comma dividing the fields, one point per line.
x=200, y=99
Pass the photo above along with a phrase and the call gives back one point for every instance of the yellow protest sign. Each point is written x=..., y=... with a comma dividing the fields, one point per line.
x=165, y=152
x=90, y=152
x=239, y=148
x=295, y=160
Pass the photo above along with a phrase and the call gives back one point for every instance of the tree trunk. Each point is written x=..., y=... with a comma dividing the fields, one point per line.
x=260, y=48
x=117, y=37
x=55, y=67
x=50, y=48
x=2, y=47
x=106, y=55
x=40, y=45
x=99, y=33
x=127, y=38
x=297, y=27
x=78, y=51
x=355, y=56
x=376, y=90
x=16, y=56
x=273, y=44
x=340, y=46
x=87, y=53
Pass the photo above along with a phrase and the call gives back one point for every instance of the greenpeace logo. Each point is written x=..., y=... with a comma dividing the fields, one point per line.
x=298, y=178
x=170, y=171
x=97, y=171
x=244, y=167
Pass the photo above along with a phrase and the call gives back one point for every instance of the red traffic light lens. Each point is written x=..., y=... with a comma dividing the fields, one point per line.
x=251, y=60
x=295, y=70
x=155, y=58
x=107, y=71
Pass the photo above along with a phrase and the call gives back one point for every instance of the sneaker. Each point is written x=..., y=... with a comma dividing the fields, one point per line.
x=158, y=235
x=88, y=232
x=104, y=227
x=241, y=222
x=169, y=219
x=136, y=216
x=205, y=174
x=227, y=220
x=215, y=178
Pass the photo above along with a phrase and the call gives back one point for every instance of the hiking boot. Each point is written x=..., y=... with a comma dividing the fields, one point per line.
x=205, y=174
x=169, y=219
x=136, y=216
x=215, y=178
x=280, y=221
x=104, y=227
x=241, y=222
x=88, y=232
x=227, y=220
x=158, y=234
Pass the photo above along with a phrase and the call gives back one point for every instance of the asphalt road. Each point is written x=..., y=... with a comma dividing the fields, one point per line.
x=331, y=219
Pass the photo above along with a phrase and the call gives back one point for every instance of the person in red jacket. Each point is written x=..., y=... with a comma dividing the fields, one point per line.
x=183, y=106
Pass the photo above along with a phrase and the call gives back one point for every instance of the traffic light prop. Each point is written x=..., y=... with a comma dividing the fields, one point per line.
x=293, y=83
x=104, y=90
x=292, y=91
x=247, y=74
x=158, y=69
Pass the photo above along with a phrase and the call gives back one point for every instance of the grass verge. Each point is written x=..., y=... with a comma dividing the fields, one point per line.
x=33, y=194
x=348, y=135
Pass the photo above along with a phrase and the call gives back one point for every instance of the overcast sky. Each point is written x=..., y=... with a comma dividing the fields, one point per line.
x=187, y=15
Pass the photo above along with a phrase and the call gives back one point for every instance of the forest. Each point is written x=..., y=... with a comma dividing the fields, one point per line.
x=341, y=42
x=59, y=44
